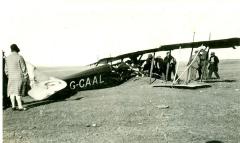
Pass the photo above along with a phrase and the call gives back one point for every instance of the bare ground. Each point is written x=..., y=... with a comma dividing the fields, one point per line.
x=132, y=112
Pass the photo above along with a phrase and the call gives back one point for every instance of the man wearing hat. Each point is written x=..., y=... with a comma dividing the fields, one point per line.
x=16, y=71
x=169, y=66
x=159, y=67
x=147, y=64
x=213, y=66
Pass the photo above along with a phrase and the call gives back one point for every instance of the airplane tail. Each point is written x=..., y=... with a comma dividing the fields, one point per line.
x=43, y=86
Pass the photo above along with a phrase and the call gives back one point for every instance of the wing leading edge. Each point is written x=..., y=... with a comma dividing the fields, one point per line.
x=212, y=44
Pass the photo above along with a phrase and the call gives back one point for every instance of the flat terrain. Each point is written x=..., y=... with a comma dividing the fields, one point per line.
x=134, y=112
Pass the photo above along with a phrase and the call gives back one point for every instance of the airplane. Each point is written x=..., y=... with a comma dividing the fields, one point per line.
x=106, y=73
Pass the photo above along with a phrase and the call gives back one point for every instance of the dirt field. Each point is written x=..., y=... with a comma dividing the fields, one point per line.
x=134, y=112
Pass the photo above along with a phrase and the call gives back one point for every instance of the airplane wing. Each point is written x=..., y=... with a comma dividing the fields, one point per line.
x=212, y=44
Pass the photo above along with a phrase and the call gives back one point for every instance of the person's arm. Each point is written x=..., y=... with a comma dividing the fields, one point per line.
x=158, y=64
x=216, y=60
x=174, y=61
x=199, y=60
x=143, y=64
x=209, y=61
x=23, y=67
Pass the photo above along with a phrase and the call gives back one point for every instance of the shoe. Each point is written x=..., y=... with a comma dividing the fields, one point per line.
x=22, y=109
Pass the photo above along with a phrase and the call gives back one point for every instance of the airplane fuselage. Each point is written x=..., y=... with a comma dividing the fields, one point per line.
x=86, y=82
x=95, y=78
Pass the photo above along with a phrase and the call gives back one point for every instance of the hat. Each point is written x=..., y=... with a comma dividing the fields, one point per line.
x=150, y=55
x=14, y=48
x=212, y=53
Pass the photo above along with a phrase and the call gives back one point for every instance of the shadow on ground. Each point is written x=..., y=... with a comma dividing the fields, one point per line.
x=57, y=97
x=214, y=141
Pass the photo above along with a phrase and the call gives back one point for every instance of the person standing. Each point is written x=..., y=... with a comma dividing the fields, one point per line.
x=203, y=64
x=195, y=60
x=170, y=66
x=159, y=67
x=16, y=70
x=213, y=66
x=147, y=64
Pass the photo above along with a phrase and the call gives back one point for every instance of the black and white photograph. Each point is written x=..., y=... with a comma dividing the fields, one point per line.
x=120, y=71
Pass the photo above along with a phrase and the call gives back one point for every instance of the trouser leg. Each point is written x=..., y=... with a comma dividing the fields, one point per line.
x=163, y=76
x=216, y=74
x=167, y=72
x=210, y=74
x=204, y=73
x=169, y=75
x=194, y=74
x=174, y=73
x=199, y=73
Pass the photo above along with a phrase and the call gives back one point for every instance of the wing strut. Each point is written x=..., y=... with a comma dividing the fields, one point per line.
x=206, y=58
x=151, y=70
x=188, y=72
x=174, y=79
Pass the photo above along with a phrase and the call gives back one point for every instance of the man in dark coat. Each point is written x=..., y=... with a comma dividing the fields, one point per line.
x=147, y=64
x=170, y=66
x=213, y=66
x=160, y=67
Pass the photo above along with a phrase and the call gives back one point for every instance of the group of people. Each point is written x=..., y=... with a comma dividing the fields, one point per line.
x=162, y=67
x=205, y=67
x=200, y=67
x=16, y=76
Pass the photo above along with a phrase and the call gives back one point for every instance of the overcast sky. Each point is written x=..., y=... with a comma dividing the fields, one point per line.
x=77, y=32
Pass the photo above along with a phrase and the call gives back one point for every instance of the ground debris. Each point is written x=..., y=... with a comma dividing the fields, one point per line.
x=92, y=125
x=31, y=128
x=162, y=106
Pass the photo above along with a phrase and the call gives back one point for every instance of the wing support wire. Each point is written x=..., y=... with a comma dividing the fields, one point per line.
x=188, y=66
x=151, y=70
x=174, y=79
